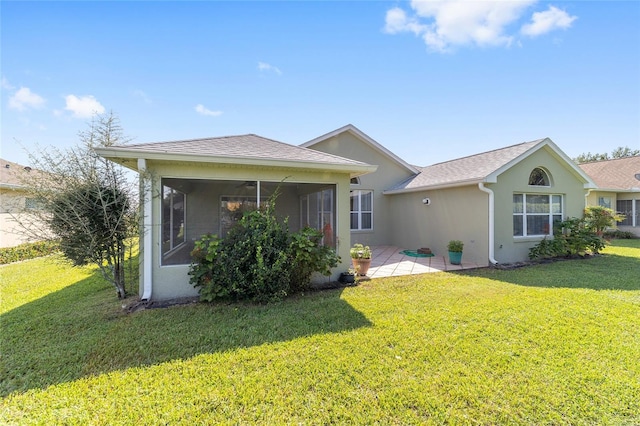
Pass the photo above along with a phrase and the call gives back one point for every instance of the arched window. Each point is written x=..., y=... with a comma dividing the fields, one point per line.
x=539, y=177
x=355, y=181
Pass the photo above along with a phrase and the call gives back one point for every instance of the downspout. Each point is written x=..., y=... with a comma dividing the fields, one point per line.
x=147, y=246
x=586, y=198
x=482, y=188
x=258, y=194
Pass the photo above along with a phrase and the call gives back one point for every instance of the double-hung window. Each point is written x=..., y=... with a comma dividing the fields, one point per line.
x=361, y=210
x=535, y=214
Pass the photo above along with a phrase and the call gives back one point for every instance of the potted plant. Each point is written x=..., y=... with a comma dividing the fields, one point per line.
x=455, y=251
x=361, y=258
x=349, y=277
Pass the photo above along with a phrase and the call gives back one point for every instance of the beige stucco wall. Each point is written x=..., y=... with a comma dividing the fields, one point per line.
x=564, y=181
x=389, y=173
x=172, y=281
x=453, y=214
x=12, y=203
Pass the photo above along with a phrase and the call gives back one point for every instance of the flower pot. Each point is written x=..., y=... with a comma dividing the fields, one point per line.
x=455, y=257
x=361, y=265
x=347, y=278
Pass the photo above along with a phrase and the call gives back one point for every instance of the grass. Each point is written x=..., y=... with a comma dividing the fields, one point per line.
x=550, y=344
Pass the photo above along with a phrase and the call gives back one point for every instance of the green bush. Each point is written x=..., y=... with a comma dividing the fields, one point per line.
x=259, y=260
x=618, y=234
x=27, y=251
x=571, y=237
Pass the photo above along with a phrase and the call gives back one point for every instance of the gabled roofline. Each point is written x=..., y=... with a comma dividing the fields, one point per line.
x=588, y=182
x=365, y=138
x=123, y=153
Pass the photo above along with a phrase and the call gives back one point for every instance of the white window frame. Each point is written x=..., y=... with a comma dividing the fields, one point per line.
x=524, y=214
x=359, y=212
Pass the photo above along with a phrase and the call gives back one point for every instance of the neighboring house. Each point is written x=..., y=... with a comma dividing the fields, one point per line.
x=618, y=184
x=499, y=203
x=13, y=202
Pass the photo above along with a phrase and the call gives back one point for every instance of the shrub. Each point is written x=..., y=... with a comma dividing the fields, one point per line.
x=618, y=234
x=570, y=238
x=27, y=251
x=598, y=218
x=259, y=260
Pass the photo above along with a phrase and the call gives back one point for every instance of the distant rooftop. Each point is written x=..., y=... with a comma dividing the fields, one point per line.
x=615, y=174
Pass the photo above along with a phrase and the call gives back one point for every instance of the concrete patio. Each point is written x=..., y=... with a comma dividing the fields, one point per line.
x=388, y=261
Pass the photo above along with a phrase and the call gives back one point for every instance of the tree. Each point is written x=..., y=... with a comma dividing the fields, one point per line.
x=86, y=202
x=620, y=152
x=598, y=218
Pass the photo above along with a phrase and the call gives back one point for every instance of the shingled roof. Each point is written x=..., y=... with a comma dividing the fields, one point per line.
x=12, y=174
x=483, y=167
x=249, y=149
x=466, y=170
x=620, y=174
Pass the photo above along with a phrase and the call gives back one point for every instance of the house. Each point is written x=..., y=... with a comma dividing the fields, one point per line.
x=499, y=203
x=618, y=184
x=14, y=200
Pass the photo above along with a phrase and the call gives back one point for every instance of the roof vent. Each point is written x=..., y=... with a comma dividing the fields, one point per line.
x=638, y=176
x=27, y=168
x=7, y=166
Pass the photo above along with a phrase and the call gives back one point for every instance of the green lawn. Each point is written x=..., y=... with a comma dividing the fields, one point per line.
x=551, y=344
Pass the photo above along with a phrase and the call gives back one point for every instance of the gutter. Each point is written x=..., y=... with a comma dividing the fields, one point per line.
x=147, y=251
x=482, y=188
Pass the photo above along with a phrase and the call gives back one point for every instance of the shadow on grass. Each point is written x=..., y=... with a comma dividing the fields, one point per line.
x=81, y=330
x=602, y=272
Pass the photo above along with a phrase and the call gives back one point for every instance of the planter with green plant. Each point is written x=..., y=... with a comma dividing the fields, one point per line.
x=455, y=251
x=361, y=258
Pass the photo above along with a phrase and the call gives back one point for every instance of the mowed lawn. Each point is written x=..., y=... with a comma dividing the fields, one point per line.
x=550, y=344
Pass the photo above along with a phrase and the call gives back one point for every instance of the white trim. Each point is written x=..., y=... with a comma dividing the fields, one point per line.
x=588, y=182
x=355, y=169
x=365, y=138
x=482, y=188
x=147, y=237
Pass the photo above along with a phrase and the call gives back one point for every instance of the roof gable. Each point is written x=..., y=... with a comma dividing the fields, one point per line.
x=483, y=167
x=617, y=174
x=367, y=140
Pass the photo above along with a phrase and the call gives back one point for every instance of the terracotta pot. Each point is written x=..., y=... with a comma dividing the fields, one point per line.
x=361, y=265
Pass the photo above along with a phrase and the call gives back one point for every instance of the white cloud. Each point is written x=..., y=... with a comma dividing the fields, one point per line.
x=6, y=85
x=200, y=109
x=446, y=24
x=83, y=107
x=263, y=66
x=24, y=98
x=547, y=21
x=396, y=21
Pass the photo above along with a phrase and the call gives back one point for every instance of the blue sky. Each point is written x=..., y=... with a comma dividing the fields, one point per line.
x=431, y=81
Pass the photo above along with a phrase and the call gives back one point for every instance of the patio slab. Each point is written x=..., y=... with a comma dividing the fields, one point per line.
x=389, y=261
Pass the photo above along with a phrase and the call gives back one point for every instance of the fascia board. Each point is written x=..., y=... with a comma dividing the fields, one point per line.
x=561, y=156
x=434, y=187
x=147, y=155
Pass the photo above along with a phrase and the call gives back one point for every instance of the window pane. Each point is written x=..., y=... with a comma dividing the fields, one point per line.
x=517, y=226
x=366, y=201
x=517, y=203
x=537, y=224
x=366, y=221
x=538, y=177
x=557, y=204
x=355, y=201
x=537, y=203
x=354, y=220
